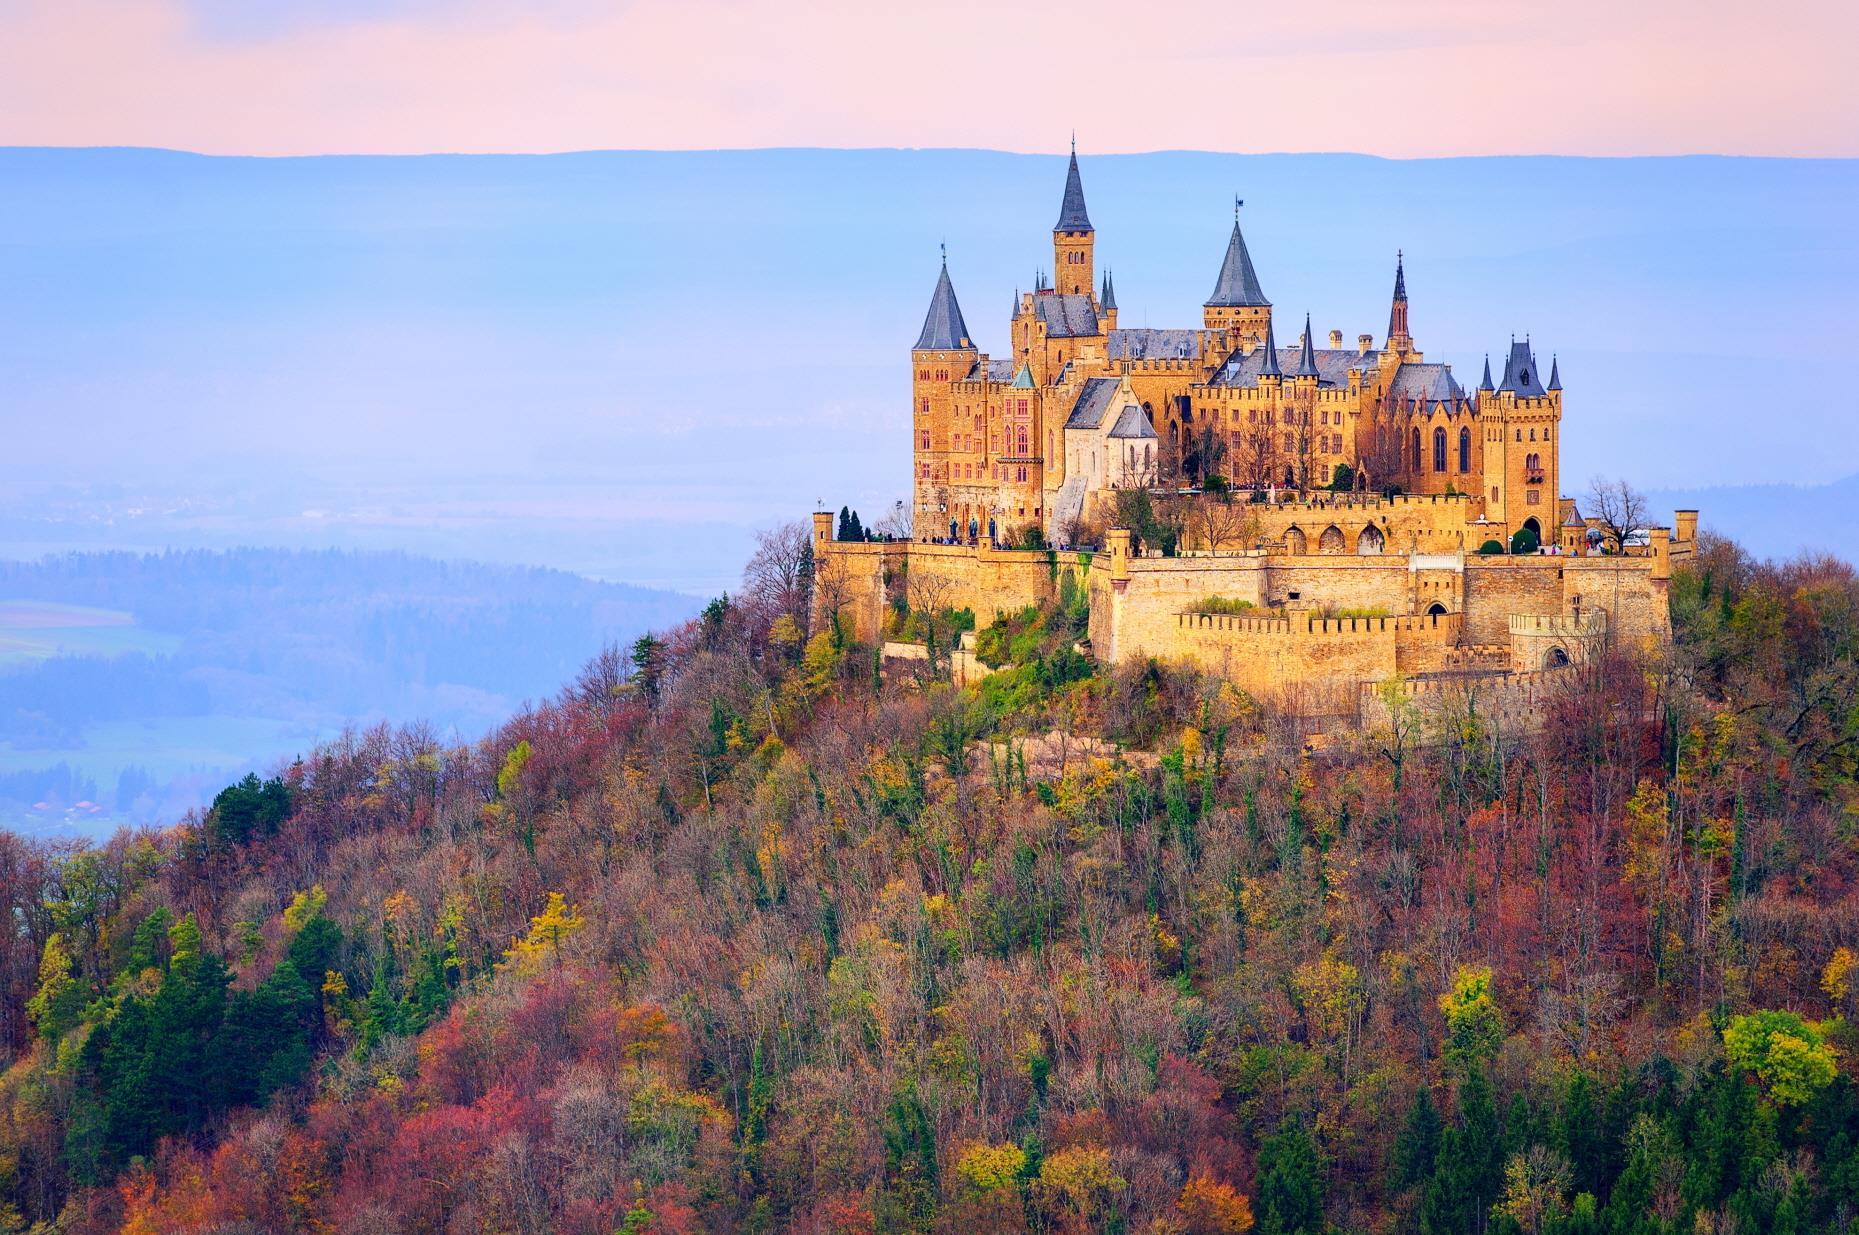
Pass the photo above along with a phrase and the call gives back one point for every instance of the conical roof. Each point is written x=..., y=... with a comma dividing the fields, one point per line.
x=1555, y=373
x=1024, y=378
x=1109, y=298
x=943, y=327
x=1269, y=368
x=1072, y=216
x=1486, y=384
x=1307, y=358
x=1239, y=282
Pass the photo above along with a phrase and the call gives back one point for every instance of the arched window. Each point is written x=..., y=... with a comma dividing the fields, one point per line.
x=1415, y=464
x=1439, y=449
x=1465, y=450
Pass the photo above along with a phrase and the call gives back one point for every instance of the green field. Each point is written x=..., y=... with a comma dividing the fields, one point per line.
x=35, y=630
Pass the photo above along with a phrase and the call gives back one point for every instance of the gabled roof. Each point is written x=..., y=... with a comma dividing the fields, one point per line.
x=1147, y=344
x=1520, y=373
x=1238, y=283
x=1066, y=316
x=1072, y=216
x=1307, y=356
x=1132, y=422
x=1023, y=380
x=1093, y=402
x=943, y=327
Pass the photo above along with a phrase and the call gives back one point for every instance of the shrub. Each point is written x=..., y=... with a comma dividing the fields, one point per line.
x=1490, y=547
x=1524, y=542
x=1221, y=604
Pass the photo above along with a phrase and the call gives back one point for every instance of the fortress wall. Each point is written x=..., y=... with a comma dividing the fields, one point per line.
x=1137, y=617
x=1511, y=699
x=1496, y=587
x=1342, y=582
x=1632, y=591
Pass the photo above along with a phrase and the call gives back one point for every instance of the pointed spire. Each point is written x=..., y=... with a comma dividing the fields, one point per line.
x=1015, y=311
x=943, y=327
x=1072, y=216
x=1307, y=359
x=1555, y=372
x=1238, y=283
x=1486, y=384
x=1109, y=298
x=1023, y=380
x=1270, y=366
x=1398, y=338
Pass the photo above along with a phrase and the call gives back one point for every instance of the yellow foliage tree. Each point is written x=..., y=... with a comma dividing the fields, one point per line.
x=984, y=1168
x=558, y=921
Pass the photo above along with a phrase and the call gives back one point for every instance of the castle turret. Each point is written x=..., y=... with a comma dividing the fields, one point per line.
x=1238, y=305
x=1073, y=237
x=1107, y=303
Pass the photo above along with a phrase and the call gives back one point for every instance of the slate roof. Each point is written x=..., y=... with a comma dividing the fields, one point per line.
x=1486, y=383
x=1425, y=383
x=1109, y=298
x=943, y=327
x=1000, y=370
x=1520, y=372
x=1072, y=216
x=1238, y=283
x=1023, y=380
x=1066, y=317
x=1145, y=344
x=1555, y=373
x=1093, y=402
x=1574, y=518
x=1333, y=365
x=1131, y=422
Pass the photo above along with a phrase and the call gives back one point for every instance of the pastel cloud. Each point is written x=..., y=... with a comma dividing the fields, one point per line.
x=1423, y=77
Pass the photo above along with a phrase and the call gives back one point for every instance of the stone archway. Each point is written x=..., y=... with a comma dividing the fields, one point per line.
x=1534, y=528
x=1436, y=610
x=1296, y=543
x=1331, y=541
x=1555, y=658
x=1370, y=541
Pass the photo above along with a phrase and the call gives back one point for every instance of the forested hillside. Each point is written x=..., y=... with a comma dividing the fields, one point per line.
x=735, y=935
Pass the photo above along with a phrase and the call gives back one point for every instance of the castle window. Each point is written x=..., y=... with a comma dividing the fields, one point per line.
x=924, y=405
x=1414, y=446
x=926, y=444
x=1439, y=450
x=1465, y=450
x=1533, y=435
x=1520, y=435
x=1494, y=493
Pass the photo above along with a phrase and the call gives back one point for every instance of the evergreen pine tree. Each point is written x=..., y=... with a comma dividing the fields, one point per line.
x=1290, y=1183
x=1417, y=1147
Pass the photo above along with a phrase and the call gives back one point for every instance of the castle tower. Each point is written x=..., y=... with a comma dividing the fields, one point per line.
x=943, y=355
x=1238, y=305
x=1400, y=342
x=1072, y=237
x=1524, y=420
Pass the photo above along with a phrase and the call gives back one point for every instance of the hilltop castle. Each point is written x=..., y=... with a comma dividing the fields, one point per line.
x=1362, y=517
x=1082, y=406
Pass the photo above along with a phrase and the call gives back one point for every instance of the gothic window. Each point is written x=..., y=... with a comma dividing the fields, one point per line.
x=1414, y=446
x=1439, y=450
x=1533, y=435
x=1520, y=435
x=923, y=406
x=1290, y=443
x=926, y=444
x=1465, y=450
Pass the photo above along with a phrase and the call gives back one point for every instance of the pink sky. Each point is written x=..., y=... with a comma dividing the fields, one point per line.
x=1396, y=77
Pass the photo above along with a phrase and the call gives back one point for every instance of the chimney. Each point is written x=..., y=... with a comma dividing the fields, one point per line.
x=1336, y=339
x=1365, y=343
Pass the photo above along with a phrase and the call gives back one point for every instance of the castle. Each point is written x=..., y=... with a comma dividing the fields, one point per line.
x=1359, y=515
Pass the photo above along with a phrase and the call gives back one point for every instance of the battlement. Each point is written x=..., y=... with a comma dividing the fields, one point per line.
x=1591, y=623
